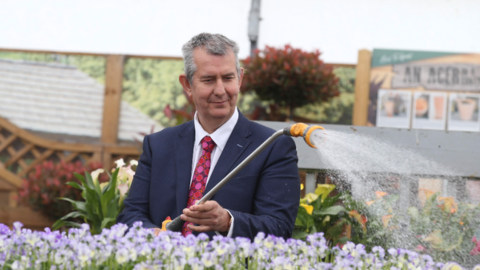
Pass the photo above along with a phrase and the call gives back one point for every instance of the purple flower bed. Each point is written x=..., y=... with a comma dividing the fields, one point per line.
x=140, y=249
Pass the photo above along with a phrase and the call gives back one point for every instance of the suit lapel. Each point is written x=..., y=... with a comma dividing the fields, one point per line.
x=183, y=152
x=236, y=145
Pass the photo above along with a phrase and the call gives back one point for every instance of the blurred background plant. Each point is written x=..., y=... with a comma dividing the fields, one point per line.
x=47, y=182
x=289, y=77
x=100, y=202
x=373, y=222
x=445, y=229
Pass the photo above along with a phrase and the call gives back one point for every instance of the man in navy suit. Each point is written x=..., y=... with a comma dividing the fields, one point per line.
x=263, y=197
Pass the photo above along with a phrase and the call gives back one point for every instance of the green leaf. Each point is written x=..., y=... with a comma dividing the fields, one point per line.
x=391, y=199
x=333, y=210
x=413, y=212
x=90, y=184
x=80, y=178
x=93, y=203
x=109, y=195
x=58, y=224
x=298, y=234
x=298, y=222
x=75, y=185
x=106, y=222
x=73, y=224
x=329, y=201
x=80, y=206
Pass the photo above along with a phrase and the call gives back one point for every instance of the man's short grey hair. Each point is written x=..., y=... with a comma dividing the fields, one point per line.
x=214, y=44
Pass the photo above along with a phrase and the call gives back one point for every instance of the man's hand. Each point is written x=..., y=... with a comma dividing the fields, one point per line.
x=156, y=231
x=209, y=216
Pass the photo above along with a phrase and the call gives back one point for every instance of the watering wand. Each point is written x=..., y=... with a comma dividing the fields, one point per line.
x=297, y=130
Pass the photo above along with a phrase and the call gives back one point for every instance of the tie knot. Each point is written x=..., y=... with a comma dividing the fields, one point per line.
x=208, y=144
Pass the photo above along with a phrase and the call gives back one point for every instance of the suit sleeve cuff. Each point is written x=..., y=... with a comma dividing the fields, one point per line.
x=230, y=231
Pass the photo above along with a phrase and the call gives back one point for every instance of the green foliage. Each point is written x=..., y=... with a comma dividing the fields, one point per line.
x=150, y=85
x=373, y=225
x=445, y=228
x=338, y=110
x=94, y=66
x=289, y=77
x=100, y=206
x=320, y=213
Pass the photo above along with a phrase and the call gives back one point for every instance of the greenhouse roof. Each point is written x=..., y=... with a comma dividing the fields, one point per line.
x=60, y=99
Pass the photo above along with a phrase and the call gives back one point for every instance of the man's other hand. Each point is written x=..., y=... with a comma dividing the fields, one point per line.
x=209, y=216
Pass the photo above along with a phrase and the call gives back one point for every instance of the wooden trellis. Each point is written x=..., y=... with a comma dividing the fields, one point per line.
x=20, y=151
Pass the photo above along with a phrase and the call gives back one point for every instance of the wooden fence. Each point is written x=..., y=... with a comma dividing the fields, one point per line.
x=21, y=151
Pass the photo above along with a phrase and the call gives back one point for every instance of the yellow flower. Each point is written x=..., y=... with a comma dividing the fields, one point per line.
x=310, y=197
x=323, y=190
x=369, y=203
x=435, y=238
x=449, y=204
x=428, y=193
x=301, y=186
x=386, y=219
x=307, y=207
x=380, y=194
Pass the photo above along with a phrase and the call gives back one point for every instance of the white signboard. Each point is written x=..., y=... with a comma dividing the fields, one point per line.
x=429, y=110
x=438, y=76
x=463, y=112
x=393, y=108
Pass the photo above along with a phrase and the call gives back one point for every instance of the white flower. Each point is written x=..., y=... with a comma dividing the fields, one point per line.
x=133, y=254
x=120, y=163
x=122, y=256
x=16, y=265
x=133, y=162
x=96, y=173
x=59, y=258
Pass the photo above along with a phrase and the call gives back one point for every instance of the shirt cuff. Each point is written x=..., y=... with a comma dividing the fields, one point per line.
x=230, y=231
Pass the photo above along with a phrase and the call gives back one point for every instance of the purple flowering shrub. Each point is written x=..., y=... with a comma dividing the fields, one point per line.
x=115, y=248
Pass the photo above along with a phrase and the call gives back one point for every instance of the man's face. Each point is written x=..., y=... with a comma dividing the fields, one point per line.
x=215, y=86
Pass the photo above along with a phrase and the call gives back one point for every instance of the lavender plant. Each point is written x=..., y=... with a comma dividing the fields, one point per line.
x=138, y=248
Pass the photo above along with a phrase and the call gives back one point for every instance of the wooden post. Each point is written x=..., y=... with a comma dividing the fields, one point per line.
x=362, y=88
x=111, y=104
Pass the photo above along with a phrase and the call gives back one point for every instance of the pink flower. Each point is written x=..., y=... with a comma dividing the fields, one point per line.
x=420, y=248
x=476, y=250
x=123, y=188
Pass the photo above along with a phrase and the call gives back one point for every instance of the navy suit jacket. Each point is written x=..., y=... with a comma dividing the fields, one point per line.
x=264, y=196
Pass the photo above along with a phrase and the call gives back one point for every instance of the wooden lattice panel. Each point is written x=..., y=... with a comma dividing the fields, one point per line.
x=21, y=151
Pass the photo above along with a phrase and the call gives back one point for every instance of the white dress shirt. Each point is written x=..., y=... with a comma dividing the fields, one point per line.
x=220, y=137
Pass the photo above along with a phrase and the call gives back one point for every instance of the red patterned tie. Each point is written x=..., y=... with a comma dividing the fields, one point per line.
x=200, y=176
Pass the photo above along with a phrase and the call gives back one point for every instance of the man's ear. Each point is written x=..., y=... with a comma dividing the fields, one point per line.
x=186, y=84
x=240, y=77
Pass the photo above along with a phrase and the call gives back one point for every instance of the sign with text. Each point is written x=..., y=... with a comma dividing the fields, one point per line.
x=443, y=88
x=452, y=77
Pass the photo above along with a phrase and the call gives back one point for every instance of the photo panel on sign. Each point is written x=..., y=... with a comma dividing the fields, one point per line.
x=394, y=108
x=463, y=112
x=429, y=110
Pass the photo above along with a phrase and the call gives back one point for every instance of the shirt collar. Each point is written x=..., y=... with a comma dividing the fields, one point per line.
x=219, y=136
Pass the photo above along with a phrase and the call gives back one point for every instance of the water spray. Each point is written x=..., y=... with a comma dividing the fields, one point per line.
x=297, y=130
